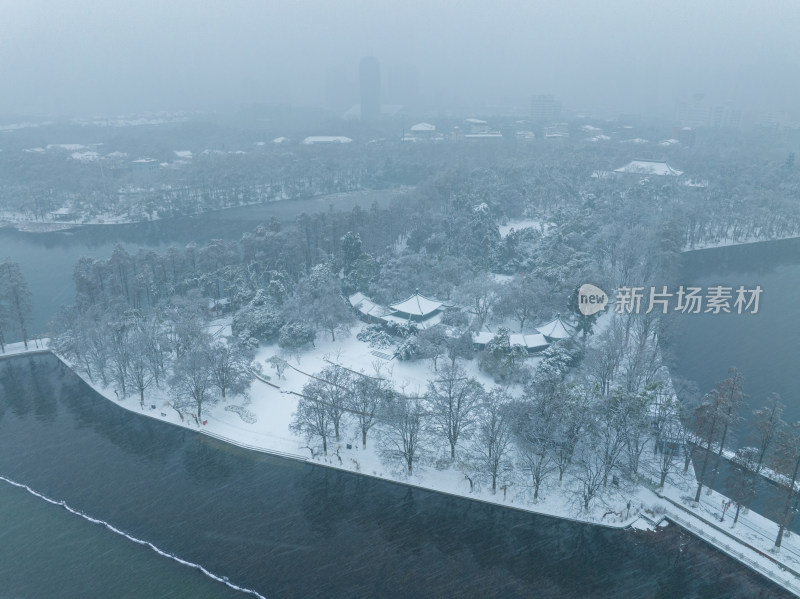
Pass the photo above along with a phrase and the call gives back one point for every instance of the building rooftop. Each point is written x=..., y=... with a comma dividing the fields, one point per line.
x=649, y=167
x=417, y=305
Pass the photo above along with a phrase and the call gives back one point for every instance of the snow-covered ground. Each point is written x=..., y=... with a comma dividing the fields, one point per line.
x=261, y=422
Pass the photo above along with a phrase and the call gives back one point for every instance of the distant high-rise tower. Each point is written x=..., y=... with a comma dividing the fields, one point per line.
x=544, y=109
x=370, y=70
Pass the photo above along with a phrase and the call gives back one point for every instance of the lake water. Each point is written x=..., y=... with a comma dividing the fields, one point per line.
x=765, y=346
x=47, y=260
x=284, y=528
x=295, y=530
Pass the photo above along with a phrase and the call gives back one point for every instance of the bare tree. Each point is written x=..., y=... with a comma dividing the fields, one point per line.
x=730, y=390
x=609, y=429
x=592, y=470
x=119, y=352
x=191, y=380
x=787, y=461
x=492, y=442
x=604, y=356
x=452, y=400
x=535, y=444
x=569, y=426
x=521, y=298
x=480, y=296
x=138, y=363
x=368, y=395
x=637, y=425
x=335, y=389
x=401, y=435
x=313, y=418
x=15, y=298
x=767, y=424
x=713, y=417
x=230, y=367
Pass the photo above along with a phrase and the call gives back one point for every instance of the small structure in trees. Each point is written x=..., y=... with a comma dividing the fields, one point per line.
x=556, y=329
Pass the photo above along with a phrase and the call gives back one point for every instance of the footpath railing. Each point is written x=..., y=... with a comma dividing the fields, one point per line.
x=790, y=584
x=228, y=440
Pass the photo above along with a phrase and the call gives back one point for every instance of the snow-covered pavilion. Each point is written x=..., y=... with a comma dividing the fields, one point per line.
x=417, y=308
x=532, y=342
x=648, y=167
x=556, y=329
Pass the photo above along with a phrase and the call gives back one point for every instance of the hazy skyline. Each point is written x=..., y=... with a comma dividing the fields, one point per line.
x=83, y=57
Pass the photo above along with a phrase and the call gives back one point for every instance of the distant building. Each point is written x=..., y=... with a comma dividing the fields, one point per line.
x=423, y=128
x=648, y=167
x=475, y=126
x=699, y=113
x=422, y=132
x=326, y=139
x=370, y=85
x=544, y=109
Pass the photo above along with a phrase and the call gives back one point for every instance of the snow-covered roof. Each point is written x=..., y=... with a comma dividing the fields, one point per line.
x=556, y=329
x=423, y=127
x=535, y=341
x=473, y=121
x=278, y=140
x=67, y=147
x=326, y=139
x=417, y=305
x=489, y=135
x=699, y=183
x=649, y=167
x=483, y=337
x=366, y=306
x=183, y=153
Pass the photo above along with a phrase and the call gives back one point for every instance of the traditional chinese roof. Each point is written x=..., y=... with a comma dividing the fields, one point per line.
x=423, y=127
x=417, y=305
x=649, y=167
x=556, y=329
x=483, y=337
x=535, y=341
x=366, y=306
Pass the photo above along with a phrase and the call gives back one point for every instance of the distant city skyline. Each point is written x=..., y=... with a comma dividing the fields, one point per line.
x=621, y=56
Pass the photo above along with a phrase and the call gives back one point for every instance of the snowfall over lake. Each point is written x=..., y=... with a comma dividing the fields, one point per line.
x=260, y=421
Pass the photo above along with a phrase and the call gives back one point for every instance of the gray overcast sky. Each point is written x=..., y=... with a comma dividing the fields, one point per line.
x=89, y=57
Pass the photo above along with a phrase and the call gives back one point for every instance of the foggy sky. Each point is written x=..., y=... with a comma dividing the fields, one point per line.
x=82, y=57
